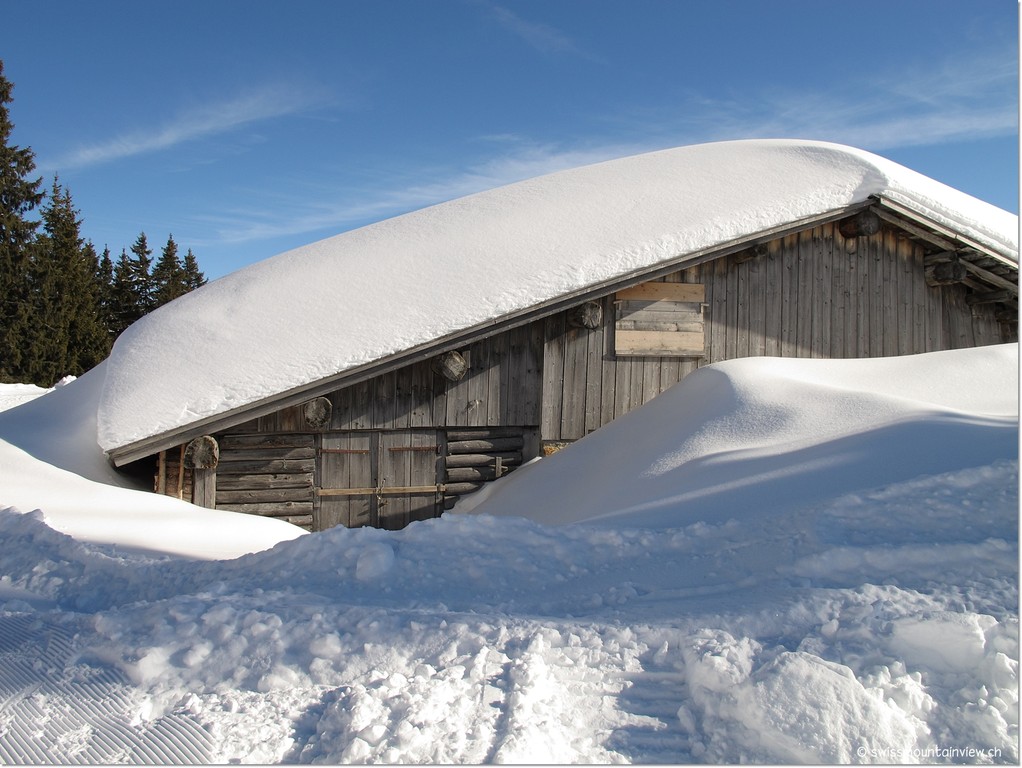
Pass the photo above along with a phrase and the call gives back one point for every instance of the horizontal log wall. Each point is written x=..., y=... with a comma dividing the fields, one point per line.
x=813, y=294
x=267, y=474
x=473, y=457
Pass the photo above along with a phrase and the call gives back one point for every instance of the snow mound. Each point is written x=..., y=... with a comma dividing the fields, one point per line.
x=744, y=437
x=363, y=295
x=495, y=640
x=58, y=427
x=50, y=461
x=12, y=395
x=127, y=519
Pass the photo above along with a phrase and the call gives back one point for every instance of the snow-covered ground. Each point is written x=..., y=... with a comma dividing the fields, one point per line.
x=775, y=561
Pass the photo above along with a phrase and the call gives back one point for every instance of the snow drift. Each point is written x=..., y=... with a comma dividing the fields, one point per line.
x=50, y=460
x=752, y=436
x=367, y=294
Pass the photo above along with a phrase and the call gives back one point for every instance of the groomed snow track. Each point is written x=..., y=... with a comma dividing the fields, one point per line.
x=58, y=710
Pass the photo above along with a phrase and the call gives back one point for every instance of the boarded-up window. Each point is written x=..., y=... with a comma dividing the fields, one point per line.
x=660, y=320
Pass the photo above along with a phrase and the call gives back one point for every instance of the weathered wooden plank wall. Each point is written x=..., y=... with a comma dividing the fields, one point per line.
x=384, y=431
x=810, y=294
x=267, y=474
x=502, y=386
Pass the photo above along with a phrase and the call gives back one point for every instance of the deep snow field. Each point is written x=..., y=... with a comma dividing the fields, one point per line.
x=775, y=561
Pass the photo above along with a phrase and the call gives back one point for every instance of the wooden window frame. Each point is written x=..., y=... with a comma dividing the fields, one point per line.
x=660, y=320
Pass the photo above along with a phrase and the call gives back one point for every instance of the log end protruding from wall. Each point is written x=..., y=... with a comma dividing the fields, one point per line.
x=451, y=365
x=202, y=453
x=945, y=272
x=588, y=315
x=318, y=412
x=862, y=224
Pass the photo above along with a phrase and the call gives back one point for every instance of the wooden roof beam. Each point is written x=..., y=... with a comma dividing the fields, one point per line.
x=989, y=277
x=937, y=234
x=990, y=297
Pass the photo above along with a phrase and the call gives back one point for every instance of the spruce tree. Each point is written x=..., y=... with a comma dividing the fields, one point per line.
x=123, y=306
x=67, y=336
x=45, y=341
x=141, y=275
x=105, y=279
x=193, y=278
x=89, y=333
x=132, y=292
x=168, y=275
x=18, y=197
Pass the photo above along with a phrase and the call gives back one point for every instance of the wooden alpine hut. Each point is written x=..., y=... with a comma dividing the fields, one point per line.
x=376, y=377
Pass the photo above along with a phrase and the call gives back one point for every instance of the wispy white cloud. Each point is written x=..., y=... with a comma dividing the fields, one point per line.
x=970, y=100
x=542, y=37
x=316, y=210
x=941, y=105
x=210, y=119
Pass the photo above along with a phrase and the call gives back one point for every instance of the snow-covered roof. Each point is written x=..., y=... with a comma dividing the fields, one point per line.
x=370, y=294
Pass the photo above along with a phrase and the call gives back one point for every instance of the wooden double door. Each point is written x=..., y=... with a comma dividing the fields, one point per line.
x=385, y=479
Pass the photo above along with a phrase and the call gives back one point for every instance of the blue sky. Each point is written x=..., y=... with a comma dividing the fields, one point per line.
x=247, y=127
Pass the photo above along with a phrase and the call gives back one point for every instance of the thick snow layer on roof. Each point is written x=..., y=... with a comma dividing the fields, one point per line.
x=370, y=293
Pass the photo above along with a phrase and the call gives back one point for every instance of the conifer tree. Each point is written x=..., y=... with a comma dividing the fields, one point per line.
x=132, y=292
x=105, y=279
x=45, y=341
x=90, y=336
x=66, y=336
x=61, y=306
x=193, y=278
x=168, y=275
x=141, y=275
x=18, y=197
x=123, y=306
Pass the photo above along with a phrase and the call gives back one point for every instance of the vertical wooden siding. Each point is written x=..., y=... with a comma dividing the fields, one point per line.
x=502, y=386
x=810, y=294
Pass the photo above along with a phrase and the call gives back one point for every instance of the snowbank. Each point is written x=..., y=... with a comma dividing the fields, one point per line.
x=873, y=628
x=373, y=292
x=735, y=439
x=50, y=460
x=12, y=395
x=797, y=618
x=58, y=427
x=130, y=519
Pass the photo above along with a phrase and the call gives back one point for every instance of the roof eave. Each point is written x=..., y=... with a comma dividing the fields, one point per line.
x=940, y=234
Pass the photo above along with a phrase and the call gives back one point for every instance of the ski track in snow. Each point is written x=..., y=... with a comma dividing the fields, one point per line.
x=57, y=710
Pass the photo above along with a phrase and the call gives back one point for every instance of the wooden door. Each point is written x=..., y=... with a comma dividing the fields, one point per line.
x=346, y=463
x=407, y=478
x=382, y=479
